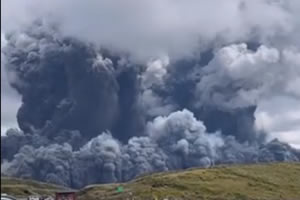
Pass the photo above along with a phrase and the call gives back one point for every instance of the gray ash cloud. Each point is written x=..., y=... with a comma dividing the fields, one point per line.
x=69, y=85
x=91, y=115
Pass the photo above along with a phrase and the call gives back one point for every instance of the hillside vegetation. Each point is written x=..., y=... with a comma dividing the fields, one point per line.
x=22, y=188
x=240, y=182
x=249, y=182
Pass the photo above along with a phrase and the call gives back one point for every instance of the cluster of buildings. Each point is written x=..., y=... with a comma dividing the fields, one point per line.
x=64, y=195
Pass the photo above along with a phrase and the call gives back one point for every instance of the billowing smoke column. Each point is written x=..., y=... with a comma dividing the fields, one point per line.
x=69, y=85
x=90, y=115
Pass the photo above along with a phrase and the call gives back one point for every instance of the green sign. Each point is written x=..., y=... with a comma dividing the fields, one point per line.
x=120, y=189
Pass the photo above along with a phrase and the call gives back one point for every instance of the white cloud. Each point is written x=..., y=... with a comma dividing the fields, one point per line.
x=280, y=116
x=152, y=27
x=238, y=77
x=155, y=72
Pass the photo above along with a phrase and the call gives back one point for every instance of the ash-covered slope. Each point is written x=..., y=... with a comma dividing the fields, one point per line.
x=90, y=115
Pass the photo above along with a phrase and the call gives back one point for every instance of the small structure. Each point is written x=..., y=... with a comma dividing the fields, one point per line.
x=33, y=198
x=120, y=189
x=65, y=195
x=47, y=198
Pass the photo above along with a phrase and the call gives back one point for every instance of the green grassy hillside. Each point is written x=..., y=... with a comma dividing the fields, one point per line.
x=239, y=182
x=269, y=181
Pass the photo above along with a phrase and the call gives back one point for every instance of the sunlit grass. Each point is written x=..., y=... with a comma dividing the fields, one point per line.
x=239, y=182
x=268, y=181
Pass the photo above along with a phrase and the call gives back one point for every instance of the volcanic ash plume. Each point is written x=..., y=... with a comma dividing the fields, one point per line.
x=91, y=115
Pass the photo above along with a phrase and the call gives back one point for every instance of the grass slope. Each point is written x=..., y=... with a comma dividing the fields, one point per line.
x=248, y=182
x=239, y=182
x=22, y=188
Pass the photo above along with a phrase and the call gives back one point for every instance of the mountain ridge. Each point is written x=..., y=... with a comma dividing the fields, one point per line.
x=234, y=182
